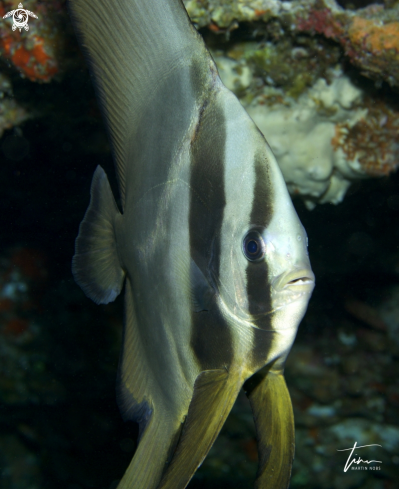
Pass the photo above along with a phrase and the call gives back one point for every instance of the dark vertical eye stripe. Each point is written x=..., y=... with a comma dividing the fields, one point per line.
x=258, y=287
x=262, y=204
x=210, y=338
x=257, y=273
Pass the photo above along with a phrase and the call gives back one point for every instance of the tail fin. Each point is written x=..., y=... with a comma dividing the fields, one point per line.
x=95, y=265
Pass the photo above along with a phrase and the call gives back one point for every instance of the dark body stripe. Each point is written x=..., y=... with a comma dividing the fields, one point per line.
x=211, y=338
x=258, y=287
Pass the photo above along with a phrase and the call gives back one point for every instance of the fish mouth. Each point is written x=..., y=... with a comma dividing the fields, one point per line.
x=300, y=280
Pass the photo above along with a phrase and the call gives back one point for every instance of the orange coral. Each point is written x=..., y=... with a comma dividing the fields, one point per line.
x=376, y=38
x=375, y=48
x=370, y=44
x=33, y=53
x=34, y=63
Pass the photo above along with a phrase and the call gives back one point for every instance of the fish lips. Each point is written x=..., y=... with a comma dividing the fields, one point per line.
x=291, y=289
x=292, y=286
x=288, y=287
x=295, y=281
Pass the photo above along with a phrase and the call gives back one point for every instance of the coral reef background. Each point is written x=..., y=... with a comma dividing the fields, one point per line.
x=322, y=81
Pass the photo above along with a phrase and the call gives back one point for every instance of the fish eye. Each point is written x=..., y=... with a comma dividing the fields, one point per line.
x=253, y=246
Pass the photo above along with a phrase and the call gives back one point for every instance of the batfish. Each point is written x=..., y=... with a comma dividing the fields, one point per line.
x=207, y=245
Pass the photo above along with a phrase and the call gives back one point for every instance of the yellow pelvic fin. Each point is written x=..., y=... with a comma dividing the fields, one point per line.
x=274, y=420
x=214, y=395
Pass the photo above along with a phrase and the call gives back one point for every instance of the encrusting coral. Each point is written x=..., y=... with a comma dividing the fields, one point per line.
x=375, y=134
x=369, y=36
x=323, y=129
x=290, y=67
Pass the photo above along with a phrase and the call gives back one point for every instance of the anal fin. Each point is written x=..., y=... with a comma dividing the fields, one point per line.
x=274, y=420
x=139, y=399
x=150, y=459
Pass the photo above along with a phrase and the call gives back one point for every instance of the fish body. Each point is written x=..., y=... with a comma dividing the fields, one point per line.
x=208, y=246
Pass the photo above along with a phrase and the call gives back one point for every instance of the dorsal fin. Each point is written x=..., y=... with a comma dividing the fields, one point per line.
x=132, y=53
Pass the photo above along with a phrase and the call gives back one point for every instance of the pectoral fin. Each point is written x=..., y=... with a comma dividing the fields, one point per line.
x=274, y=420
x=214, y=395
x=95, y=265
